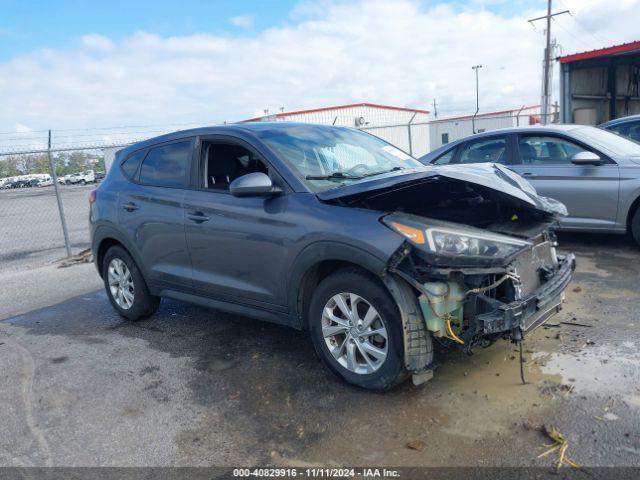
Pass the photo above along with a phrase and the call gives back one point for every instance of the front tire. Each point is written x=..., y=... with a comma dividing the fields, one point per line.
x=356, y=330
x=126, y=287
x=635, y=226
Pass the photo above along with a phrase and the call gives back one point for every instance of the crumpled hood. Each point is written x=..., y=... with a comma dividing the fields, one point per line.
x=490, y=175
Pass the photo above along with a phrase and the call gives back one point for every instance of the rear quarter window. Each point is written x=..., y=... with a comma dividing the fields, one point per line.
x=132, y=163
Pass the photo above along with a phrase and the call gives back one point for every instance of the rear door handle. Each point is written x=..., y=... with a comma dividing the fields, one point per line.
x=197, y=217
x=130, y=206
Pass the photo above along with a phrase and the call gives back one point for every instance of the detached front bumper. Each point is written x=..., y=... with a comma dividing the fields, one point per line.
x=529, y=313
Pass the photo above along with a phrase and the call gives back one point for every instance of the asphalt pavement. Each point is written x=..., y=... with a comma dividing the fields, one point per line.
x=191, y=386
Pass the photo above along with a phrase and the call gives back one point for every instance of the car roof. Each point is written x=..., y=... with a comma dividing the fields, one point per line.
x=563, y=127
x=539, y=129
x=620, y=120
x=246, y=127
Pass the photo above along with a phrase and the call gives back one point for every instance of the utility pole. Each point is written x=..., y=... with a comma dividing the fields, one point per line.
x=435, y=109
x=546, y=86
x=473, y=119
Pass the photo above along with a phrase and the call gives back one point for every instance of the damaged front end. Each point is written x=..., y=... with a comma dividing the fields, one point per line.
x=480, y=251
x=476, y=286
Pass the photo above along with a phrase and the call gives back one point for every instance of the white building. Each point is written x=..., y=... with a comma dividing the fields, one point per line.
x=406, y=128
x=445, y=130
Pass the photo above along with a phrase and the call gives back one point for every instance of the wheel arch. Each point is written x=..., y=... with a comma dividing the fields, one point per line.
x=323, y=260
x=635, y=205
x=315, y=263
x=105, y=237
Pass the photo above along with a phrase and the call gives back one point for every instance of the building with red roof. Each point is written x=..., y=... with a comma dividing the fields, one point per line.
x=600, y=85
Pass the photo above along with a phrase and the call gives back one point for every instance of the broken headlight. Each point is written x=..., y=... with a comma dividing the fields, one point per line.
x=449, y=239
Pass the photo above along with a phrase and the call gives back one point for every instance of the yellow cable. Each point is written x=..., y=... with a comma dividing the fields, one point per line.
x=452, y=335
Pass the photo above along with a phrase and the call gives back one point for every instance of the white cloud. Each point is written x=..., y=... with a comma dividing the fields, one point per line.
x=242, y=21
x=396, y=52
x=97, y=42
x=20, y=128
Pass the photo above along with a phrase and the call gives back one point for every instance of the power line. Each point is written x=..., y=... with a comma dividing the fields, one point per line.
x=600, y=39
x=580, y=40
x=546, y=87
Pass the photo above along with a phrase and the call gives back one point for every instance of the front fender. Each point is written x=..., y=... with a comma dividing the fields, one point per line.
x=321, y=251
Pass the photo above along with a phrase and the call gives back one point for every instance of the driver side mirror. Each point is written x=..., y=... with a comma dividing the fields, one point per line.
x=256, y=184
x=586, y=158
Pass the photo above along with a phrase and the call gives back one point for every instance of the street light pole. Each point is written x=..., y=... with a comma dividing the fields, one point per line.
x=473, y=120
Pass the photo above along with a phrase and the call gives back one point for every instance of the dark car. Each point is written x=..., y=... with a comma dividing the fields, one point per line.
x=594, y=173
x=24, y=183
x=334, y=231
x=626, y=126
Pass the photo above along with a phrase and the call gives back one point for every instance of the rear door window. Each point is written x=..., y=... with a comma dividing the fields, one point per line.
x=167, y=165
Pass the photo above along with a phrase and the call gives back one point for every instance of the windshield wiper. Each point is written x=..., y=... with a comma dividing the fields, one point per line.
x=334, y=176
x=394, y=169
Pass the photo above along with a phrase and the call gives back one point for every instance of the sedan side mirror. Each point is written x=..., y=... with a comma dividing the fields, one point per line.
x=256, y=184
x=586, y=158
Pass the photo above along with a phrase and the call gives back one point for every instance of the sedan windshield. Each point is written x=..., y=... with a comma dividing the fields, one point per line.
x=326, y=157
x=608, y=140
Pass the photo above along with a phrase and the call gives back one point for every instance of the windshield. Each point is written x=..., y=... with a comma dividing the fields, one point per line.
x=607, y=140
x=326, y=157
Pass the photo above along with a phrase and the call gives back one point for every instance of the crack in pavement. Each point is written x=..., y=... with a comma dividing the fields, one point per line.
x=28, y=379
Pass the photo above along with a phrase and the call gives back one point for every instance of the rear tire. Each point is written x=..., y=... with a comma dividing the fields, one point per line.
x=345, y=342
x=126, y=287
x=635, y=226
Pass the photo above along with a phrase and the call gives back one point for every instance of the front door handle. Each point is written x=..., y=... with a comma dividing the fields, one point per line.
x=197, y=217
x=130, y=206
x=529, y=175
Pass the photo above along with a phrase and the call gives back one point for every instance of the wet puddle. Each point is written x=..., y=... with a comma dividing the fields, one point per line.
x=599, y=370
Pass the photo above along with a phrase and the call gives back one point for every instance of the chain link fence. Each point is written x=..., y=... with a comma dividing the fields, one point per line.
x=45, y=181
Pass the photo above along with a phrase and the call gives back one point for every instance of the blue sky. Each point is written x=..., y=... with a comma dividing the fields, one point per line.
x=89, y=64
x=34, y=24
x=37, y=24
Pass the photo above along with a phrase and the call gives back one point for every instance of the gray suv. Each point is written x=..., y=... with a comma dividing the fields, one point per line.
x=334, y=231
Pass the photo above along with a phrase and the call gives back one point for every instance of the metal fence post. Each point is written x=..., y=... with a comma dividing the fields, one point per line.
x=409, y=134
x=63, y=222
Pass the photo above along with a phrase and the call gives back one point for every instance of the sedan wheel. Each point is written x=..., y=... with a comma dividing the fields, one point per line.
x=121, y=284
x=354, y=333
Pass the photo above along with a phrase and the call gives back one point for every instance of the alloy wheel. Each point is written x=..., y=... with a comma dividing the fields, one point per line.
x=121, y=284
x=354, y=333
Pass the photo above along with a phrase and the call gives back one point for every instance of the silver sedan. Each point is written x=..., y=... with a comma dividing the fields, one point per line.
x=595, y=173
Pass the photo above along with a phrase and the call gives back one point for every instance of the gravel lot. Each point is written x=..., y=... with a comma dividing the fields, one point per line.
x=30, y=230
x=82, y=387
